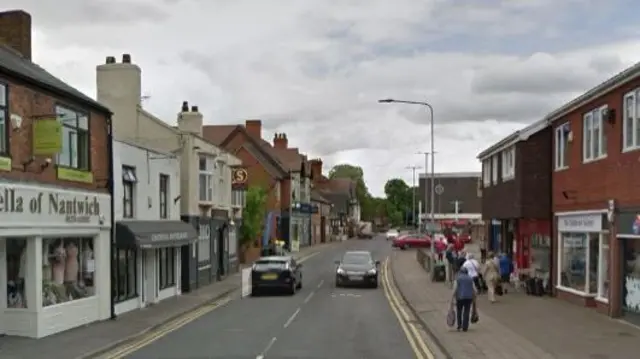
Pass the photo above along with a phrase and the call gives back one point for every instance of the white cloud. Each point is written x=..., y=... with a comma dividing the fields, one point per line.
x=315, y=69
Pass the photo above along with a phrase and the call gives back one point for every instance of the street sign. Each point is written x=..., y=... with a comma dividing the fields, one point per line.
x=439, y=189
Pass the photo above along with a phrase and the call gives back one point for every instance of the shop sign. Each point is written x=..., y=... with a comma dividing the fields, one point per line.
x=5, y=164
x=239, y=178
x=174, y=236
x=47, y=137
x=628, y=223
x=73, y=175
x=580, y=223
x=65, y=206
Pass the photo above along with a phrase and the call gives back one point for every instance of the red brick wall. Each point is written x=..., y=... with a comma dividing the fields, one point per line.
x=30, y=103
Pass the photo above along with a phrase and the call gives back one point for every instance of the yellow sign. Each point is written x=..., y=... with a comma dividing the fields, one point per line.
x=5, y=164
x=47, y=137
x=69, y=174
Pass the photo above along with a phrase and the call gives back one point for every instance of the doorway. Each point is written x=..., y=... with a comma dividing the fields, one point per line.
x=222, y=270
x=323, y=229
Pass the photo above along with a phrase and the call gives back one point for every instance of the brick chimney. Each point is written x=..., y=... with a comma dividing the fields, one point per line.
x=316, y=169
x=15, y=31
x=254, y=128
x=280, y=141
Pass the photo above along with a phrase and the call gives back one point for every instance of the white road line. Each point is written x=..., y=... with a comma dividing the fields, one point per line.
x=266, y=349
x=291, y=318
x=320, y=284
x=308, y=298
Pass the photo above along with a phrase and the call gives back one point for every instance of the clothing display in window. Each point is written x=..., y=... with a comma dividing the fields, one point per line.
x=63, y=279
x=631, y=299
x=16, y=262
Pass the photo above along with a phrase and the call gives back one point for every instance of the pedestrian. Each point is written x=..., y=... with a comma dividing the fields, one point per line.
x=492, y=276
x=464, y=294
x=473, y=268
x=506, y=268
x=451, y=262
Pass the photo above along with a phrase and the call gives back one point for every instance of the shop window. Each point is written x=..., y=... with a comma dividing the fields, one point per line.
x=126, y=275
x=129, y=181
x=164, y=193
x=68, y=270
x=4, y=119
x=16, y=252
x=603, y=270
x=166, y=267
x=204, y=243
x=580, y=261
x=75, y=138
x=541, y=255
x=631, y=289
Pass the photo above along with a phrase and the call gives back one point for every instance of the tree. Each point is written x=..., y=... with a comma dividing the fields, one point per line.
x=398, y=193
x=355, y=173
x=253, y=215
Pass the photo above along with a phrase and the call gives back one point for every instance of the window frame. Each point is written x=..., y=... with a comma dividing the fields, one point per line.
x=5, y=146
x=604, y=250
x=585, y=292
x=163, y=195
x=494, y=169
x=593, y=121
x=561, y=146
x=119, y=297
x=165, y=280
x=634, y=96
x=486, y=173
x=209, y=174
x=508, y=157
x=59, y=108
x=128, y=191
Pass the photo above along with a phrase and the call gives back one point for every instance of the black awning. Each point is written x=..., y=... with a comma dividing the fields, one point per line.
x=154, y=234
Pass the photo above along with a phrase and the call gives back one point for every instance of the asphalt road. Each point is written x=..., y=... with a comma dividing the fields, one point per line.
x=320, y=321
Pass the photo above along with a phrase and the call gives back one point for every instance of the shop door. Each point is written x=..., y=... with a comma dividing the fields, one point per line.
x=222, y=270
x=323, y=229
x=143, y=275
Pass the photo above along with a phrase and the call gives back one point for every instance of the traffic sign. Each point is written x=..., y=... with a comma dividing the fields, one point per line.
x=439, y=189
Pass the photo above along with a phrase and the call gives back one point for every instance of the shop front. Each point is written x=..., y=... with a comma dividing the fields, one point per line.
x=582, y=245
x=495, y=235
x=628, y=232
x=54, y=259
x=146, y=262
x=533, y=254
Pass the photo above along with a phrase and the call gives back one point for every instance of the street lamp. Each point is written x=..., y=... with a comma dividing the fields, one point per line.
x=413, y=192
x=429, y=184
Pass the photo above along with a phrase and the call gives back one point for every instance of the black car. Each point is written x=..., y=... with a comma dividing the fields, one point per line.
x=357, y=268
x=280, y=273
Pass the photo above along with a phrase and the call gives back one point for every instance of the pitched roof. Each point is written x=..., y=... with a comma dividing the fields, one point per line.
x=14, y=64
x=318, y=197
x=221, y=135
x=290, y=158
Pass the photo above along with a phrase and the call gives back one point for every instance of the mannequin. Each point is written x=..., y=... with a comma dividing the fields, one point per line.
x=71, y=272
x=58, y=255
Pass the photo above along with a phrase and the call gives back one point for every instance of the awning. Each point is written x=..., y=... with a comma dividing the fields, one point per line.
x=154, y=234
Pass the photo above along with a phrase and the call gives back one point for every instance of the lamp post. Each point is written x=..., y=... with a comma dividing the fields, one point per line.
x=427, y=185
x=413, y=192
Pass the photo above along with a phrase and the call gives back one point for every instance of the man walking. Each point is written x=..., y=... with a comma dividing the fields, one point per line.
x=464, y=293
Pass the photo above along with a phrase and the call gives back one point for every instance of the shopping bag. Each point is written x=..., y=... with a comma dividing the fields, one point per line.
x=451, y=315
x=474, y=313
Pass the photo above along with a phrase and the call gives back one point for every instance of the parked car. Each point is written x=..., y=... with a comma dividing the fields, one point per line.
x=412, y=241
x=276, y=273
x=464, y=237
x=392, y=234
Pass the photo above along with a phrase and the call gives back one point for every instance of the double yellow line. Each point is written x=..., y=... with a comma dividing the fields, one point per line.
x=154, y=335
x=410, y=330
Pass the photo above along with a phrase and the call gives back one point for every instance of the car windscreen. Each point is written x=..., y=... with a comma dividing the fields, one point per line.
x=269, y=265
x=356, y=258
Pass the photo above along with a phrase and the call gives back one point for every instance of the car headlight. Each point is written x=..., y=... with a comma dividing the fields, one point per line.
x=372, y=271
x=340, y=271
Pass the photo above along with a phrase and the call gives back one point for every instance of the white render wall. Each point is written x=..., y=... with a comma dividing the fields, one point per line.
x=148, y=166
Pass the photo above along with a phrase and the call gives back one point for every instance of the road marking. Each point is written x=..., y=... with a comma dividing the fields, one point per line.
x=320, y=284
x=161, y=332
x=413, y=337
x=291, y=318
x=308, y=298
x=266, y=349
x=306, y=258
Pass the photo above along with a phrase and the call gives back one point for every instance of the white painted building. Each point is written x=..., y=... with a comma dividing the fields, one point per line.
x=148, y=227
x=54, y=258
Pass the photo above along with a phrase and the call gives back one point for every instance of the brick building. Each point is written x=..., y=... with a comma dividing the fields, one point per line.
x=455, y=193
x=516, y=205
x=55, y=181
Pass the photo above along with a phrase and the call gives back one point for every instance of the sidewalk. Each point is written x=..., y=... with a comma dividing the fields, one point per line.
x=518, y=326
x=92, y=339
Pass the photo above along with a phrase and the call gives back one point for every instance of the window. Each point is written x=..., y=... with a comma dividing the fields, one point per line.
x=129, y=181
x=579, y=257
x=603, y=269
x=204, y=243
x=4, y=119
x=238, y=198
x=16, y=252
x=75, y=138
x=166, y=267
x=562, y=146
x=486, y=173
x=126, y=275
x=631, y=121
x=508, y=163
x=68, y=270
x=207, y=168
x=494, y=169
x=164, y=193
x=631, y=273
x=594, y=140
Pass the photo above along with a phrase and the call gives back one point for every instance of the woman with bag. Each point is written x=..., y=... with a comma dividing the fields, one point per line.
x=492, y=276
x=464, y=294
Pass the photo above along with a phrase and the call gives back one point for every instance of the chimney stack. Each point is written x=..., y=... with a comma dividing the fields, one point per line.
x=110, y=60
x=190, y=121
x=185, y=106
x=126, y=58
x=280, y=141
x=254, y=128
x=316, y=169
x=15, y=31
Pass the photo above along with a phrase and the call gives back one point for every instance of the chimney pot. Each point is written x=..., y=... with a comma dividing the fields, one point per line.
x=194, y=108
x=110, y=60
x=126, y=59
x=185, y=106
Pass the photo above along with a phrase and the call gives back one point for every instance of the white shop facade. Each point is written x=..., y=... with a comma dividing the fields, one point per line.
x=54, y=259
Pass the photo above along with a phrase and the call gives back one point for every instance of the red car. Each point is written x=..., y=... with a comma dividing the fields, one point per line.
x=412, y=241
x=465, y=238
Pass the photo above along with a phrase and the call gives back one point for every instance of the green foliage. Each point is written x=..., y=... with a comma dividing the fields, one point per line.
x=253, y=214
x=355, y=173
x=399, y=200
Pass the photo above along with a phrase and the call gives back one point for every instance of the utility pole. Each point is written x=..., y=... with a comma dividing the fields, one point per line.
x=428, y=189
x=413, y=190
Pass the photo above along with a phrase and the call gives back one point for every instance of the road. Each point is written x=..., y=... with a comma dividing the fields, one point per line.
x=320, y=321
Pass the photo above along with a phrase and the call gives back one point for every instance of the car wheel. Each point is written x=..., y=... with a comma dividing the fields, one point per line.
x=375, y=285
x=292, y=289
x=254, y=292
x=300, y=283
x=404, y=246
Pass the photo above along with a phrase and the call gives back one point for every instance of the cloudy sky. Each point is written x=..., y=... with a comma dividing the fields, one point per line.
x=315, y=69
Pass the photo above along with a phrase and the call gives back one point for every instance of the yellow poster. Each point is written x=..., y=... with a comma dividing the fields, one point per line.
x=47, y=137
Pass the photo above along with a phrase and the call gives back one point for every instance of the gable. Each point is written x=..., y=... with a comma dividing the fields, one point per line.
x=259, y=156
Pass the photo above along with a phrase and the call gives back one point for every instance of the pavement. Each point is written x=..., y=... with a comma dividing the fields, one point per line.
x=320, y=321
x=97, y=338
x=517, y=326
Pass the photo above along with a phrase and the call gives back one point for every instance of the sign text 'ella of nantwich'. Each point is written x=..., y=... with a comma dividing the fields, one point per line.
x=13, y=202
